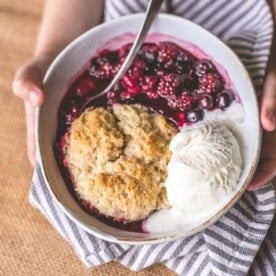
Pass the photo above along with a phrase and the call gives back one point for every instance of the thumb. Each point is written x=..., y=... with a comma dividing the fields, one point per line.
x=268, y=103
x=28, y=81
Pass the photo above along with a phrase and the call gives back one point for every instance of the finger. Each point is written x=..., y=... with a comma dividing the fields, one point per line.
x=27, y=84
x=30, y=122
x=268, y=104
x=264, y=174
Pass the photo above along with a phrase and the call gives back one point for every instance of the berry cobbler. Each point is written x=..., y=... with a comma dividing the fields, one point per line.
x=165, y=80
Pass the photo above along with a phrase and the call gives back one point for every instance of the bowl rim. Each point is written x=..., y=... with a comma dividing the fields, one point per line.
x=147, y=239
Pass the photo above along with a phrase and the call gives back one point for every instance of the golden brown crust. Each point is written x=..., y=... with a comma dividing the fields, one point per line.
x=119, y=158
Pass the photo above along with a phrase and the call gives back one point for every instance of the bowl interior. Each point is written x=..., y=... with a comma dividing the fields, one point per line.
x=73, y=58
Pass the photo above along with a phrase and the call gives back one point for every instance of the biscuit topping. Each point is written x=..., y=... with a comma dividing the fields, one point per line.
x=118, y=160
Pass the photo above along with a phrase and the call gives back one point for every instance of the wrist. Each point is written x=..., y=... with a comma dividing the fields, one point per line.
x=44, y=56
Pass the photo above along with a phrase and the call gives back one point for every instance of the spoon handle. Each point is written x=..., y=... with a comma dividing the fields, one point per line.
x=151, y=12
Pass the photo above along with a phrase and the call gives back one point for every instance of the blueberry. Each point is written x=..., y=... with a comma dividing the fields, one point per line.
x=203, y=67
x=206, y=101
x=224, y=99
x=194, y=115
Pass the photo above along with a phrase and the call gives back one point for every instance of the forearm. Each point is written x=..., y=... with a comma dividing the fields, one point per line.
x=64, y=20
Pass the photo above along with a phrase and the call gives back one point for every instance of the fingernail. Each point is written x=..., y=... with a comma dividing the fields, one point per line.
x=34, y=97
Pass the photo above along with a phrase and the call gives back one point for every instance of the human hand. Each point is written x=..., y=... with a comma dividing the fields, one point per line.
x=266, y=169
x=27, y=85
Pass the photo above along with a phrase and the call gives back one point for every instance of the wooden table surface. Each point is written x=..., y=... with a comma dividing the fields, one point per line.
x=28, y=243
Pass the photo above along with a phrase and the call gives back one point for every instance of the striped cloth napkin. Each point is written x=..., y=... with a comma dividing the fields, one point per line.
x=228, y=247
x=242, y=242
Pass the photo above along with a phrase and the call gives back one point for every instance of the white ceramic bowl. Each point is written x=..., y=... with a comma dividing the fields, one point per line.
x=72, y=59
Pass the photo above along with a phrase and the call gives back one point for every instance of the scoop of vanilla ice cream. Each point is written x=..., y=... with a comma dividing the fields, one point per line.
x=204, y=168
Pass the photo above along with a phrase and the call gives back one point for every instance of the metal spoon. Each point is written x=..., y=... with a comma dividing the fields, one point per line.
x=151, y=12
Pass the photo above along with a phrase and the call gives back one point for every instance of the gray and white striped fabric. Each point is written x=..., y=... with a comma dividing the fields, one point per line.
x=242, y=242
